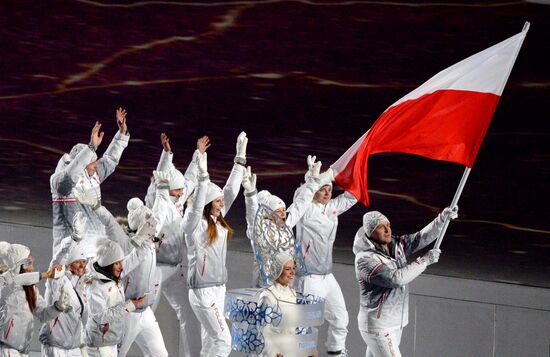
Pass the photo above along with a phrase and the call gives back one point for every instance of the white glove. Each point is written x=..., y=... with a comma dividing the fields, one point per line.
x=202, y=164
x=242, y=141
x=63, y=304
x=86, y=198
x=146, y=231
x=431, y=257
x=450, y=213
x=79, y=226
x=162, y=179
x=249, y=181
x=314, y=168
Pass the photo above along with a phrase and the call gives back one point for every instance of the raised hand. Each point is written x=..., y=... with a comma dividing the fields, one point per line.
x=314, y=167
x=96, y=137
x=165, y=141
x=242, y=141
x=121, y=120
x=203, y=144
x=86, y=197
x=249, y=181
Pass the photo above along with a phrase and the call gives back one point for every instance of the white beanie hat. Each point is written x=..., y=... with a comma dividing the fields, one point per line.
x=270, y=201
x=108, y=252
x=75, y=253
x=137, y=213
x=176, y=179
x=4, y=246
x=278, y=263
x=77, y=149
x=214, y=191
x=15, y=254
x=371, y=220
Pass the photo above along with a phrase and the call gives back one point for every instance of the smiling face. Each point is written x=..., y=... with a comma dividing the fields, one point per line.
x=287, y=276
x=281, y=212
x=116, y=269
x=28, y=265
x=324, y=194
x=382, y=233
x=78, y=267
x=177, y=193
x=217, y=206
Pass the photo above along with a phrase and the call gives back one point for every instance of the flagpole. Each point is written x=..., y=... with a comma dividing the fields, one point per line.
x=454, y=203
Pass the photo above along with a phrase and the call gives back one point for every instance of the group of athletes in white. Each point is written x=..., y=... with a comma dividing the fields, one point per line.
x=107, y=273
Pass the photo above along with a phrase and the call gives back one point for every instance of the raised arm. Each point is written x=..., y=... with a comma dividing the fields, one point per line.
x=416, y=241
x=251, y=200
x=304, y=194
x=233, y=184
x=193, y=214
x=109, y=161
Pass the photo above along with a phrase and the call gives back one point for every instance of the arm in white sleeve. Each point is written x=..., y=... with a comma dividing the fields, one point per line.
x=62, y=250
x=161, y=207
x=302, y=200
x=373, y=271
x=191, y=176
x=193, y=214
x=43, y=311
x=108, y=162
x=64, y=181
x=343, y=202
x=416, y=241
x=232, y=187
x=165, y=162
x=251, y=204
x=100, y=313
x=113, y=230
x=133, y=260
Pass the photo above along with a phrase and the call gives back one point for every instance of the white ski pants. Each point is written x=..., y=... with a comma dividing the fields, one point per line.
x=336, y=313
x=208, y=304
x=143, y=328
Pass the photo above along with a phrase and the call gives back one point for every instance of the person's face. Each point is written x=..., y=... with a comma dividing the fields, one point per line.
x=28, y=266
x=78, y=267
x=116, y=270
x=323, y=195
x=91, y=168
x=382, y=233
x=217, y=206
x=177, y=193
x=281, y=212
x=287, y=276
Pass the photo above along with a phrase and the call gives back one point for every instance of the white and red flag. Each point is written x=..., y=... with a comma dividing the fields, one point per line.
x=444, y=119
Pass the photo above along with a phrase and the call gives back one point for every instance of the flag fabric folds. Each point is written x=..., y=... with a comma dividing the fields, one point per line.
x=445, y=118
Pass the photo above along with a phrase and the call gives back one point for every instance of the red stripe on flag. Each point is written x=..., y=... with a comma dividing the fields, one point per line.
x=447, y=125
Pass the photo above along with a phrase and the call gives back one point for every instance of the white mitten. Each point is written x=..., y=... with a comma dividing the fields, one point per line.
x=431, y=257
x=162, y=179
x=79, y=226
x=249, y=181
x=64, y=302
x=146, y=231
x=86, y=198
x=450, y=213
x=242, y=141
x=314, y=167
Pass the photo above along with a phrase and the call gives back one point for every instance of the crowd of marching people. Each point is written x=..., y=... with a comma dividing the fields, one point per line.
x=107, y=273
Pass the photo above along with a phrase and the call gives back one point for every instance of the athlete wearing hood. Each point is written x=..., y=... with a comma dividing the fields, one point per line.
x=316, y=232
x=206, y=234
x=81, y=169
x=141, y=282
x=107, y=302
x=171, y=189
x=20, y=304
x=290, y=216
x=383, y=273
x=64, y=336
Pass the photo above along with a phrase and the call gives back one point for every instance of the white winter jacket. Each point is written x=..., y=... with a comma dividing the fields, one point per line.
x=145, y=278
x=316, y=232
x=16, y=319
x=70, y=174
x=207, y=262
x=67, y=330
x=383, y=279
x=107, y=304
